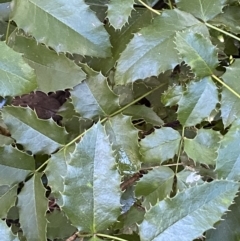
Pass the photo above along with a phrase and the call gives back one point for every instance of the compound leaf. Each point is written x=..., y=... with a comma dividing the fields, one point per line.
x=228, y=160
x=196, y=203
x=32, y=206
x=66, y=26
x=14, y=165
x=203, y=148
x=192, y=106
x=202, y=9
x=16, y=76
x=160, y=146
x=93, y=181
x=230, y=104
x=118, y=12
x=36, y=135
x=198, y=52
x=144, y=55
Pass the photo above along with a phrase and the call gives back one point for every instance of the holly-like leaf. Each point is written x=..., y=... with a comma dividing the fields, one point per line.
x=229, y=18
x=66, y=26
x=143, y=112
x=192, y=106
x=198, y=52
x=124, y=138
x=160, y=146
x=203, y=148
x=119, y=11
x=155, y=185
x=7, y=200
x=230, y=104
x=92, y=183
x=172, y=95
x=16, y=76
x=143, y=56
x=228, y=228
x=38, y=136
x=162, y=220
x=6, y=232
x=228, y=160
x=58, y=226
x=32, y=206
x=54, y=71
x=93, y=97
x=202, y=9
x=14, y=165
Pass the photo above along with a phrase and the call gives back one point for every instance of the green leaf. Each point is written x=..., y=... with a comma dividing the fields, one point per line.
x=16, y=76
x=192, y=106
x=93, y=97
x=196, y=203
x=143, y=112
x=6, y=233
x=92, y=181
x=124, y=138
x=172, y=95
x=7, y=200
x=31, y=200
x=58, y=226
x=52, y=69
x=65, y=26
x=56, y=169
x=143, y=56
x=229, y=154
x=229, y=18
x=14, y=165
x=155, y=185
x=230, y=104
x=228, y=228
x=198, y=52
x=4, y=11
x=160, y=146
x=119, y=11
x=202, y=9
x=203, y=148
x=38, y=136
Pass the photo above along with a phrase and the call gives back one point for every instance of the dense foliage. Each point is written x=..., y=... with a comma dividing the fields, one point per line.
x=120, y=120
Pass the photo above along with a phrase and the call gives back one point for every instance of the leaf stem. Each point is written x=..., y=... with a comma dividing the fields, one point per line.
x=7, y=32
x=110, y=237
x=225, y=85
x=170, y=4
x=222, y=31
x=180, y=149
x=151, y=9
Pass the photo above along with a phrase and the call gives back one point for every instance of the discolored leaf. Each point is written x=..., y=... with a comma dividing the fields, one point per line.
x=66, y=26
x=31, y=200
x=92, y=181
x=230, y=104
x=124, y=138
x=6, y=232
x=160, y=146
x=16, y=76
x=202, y=9
x=93, y=97
x=7, y=200
x=203, y=148
x=15, y=165
x=38, y=136
x=228, y=159
x=54, y=71
x=144, y=55
x=196, y=203
x=155, y=185
x=192, y=106
x=118, y=12
x=198, y=52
